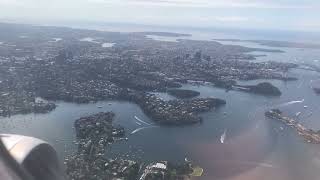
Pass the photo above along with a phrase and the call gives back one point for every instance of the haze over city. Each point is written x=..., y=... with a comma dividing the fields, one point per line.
x=258, y=14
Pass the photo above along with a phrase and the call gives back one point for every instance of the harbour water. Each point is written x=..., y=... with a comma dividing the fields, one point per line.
x=254, y=147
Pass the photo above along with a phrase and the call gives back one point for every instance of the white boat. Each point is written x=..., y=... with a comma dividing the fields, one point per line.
x=223, y=136
x=305, y=107
x=298, y=114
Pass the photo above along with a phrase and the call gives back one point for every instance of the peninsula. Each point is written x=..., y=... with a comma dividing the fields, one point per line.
x=309, y=135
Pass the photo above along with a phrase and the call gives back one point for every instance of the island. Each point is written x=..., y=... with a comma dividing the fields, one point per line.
x=173, y=112
x=309, y=135
x=264, y=88
x=183, y=93
x=273, y=43
x=94, y=134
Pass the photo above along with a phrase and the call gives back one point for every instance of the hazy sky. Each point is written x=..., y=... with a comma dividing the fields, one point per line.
x=272, y=14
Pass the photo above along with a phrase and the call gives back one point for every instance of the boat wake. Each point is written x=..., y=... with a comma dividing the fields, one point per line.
x=300, y=85
x=250, y=163
x=267, y=165
x=142, y=128
x=138, y=119
x=141, y=123
x=223, y=136
x=290, y=103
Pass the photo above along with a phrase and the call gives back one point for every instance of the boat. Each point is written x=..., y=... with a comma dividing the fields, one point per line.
x=100, y=107
x=305, y=107
x=223, y=136
x=298, y=114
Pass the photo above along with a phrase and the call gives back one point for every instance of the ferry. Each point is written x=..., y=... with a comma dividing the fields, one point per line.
x=223, y=137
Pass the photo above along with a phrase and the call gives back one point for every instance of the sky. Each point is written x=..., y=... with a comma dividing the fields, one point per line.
x=301, y=15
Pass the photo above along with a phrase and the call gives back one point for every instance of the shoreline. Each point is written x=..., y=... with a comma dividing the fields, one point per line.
x=309, y=135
